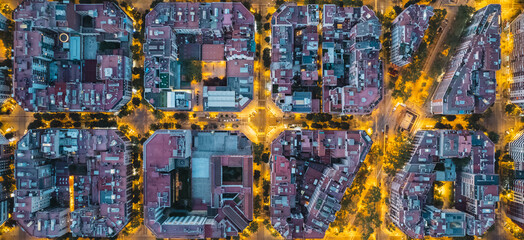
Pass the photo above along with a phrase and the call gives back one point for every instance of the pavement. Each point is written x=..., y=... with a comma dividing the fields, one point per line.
x=18, y=120
x=139, y=120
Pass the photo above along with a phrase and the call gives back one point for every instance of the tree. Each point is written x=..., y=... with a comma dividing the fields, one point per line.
x=474, y=122
x=397, y=9
x=195, y=127
x=451, y=118
x=266, y=26
x=494, y=137
x=257, y=205
x=56, y=124
x=353, y=3
x=309, y=116
x=159, y=115
x=321, y=117
x=459, y=127
x=266, y=185
x=333, y=124
x=48, y=116
x=256, y=175
x=440, y=125
x=36, y=124
x=136, y=101
x=247, y=4
x=411, y=2
x=266, y=58
x=265, y=157
x=398, y=155
x=266, y=222
x=258, y=150
x=124, y=111
x=438, y=203
x=9, y=135
x=181, y=116
x=374, y=194
x=253, y=227
x=124, y=129
x=304, y=124
x=154, y=3
x=510, y=107
x=154, y=127
x=192, y=70
x=75, y=117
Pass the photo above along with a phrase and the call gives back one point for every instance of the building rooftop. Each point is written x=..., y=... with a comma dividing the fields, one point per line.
x=294, y=58
x=310, y=171
x=351, y=80
x=6, y=156
x=3, y=22
x=197, y=184
x=516, y=206
x=71, y=180
x=71, y=57
x=468, y=85
x=181, y=37
x=517, y=61
x=475, y=188
x=408, y=32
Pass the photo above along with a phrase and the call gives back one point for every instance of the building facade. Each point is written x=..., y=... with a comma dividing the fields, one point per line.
x=5, y=89
x=516, y=207
x=6, y=175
